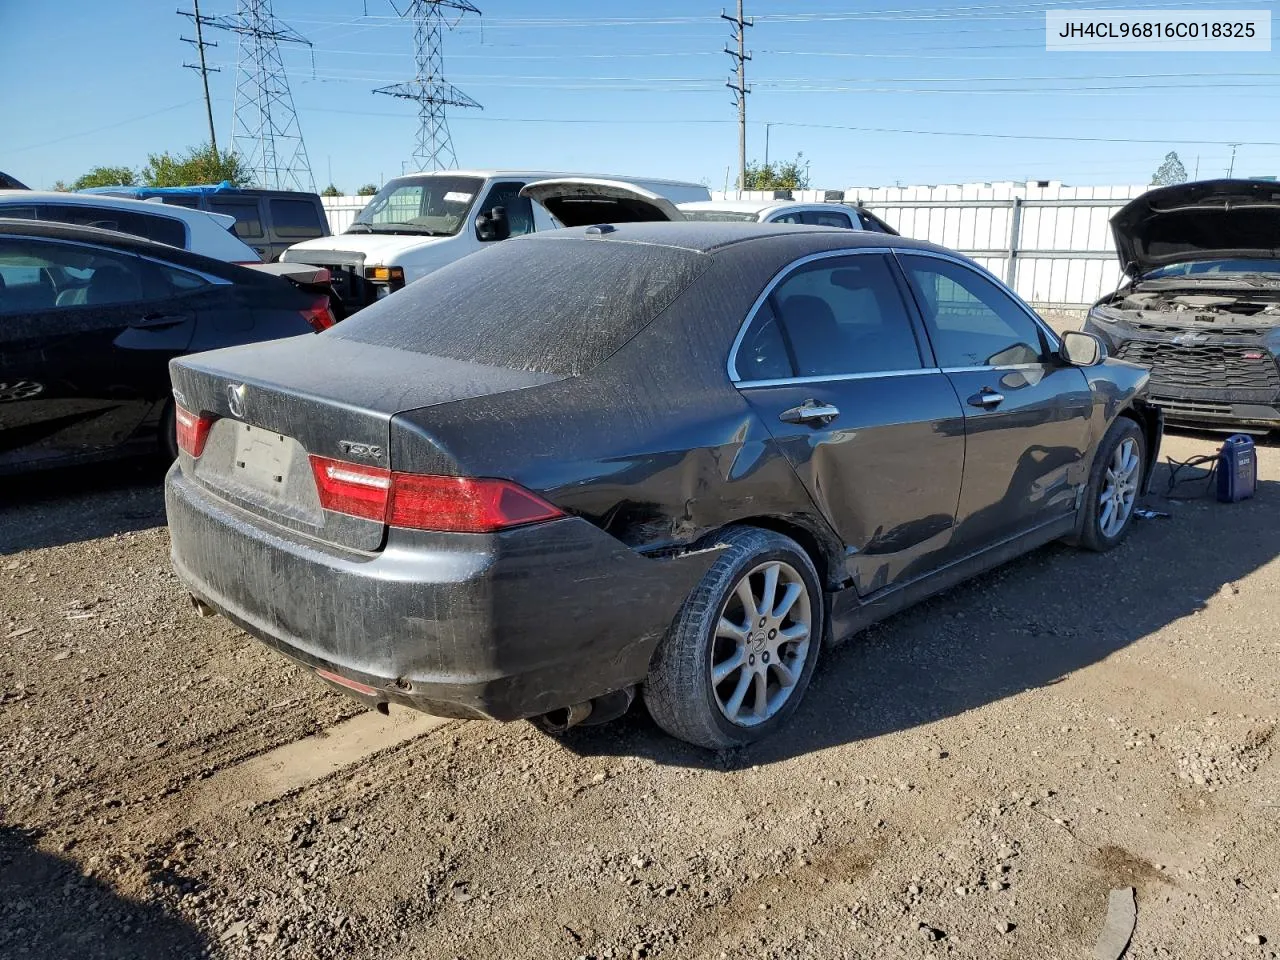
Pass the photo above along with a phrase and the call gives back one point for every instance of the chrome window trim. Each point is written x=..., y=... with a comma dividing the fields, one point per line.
x=1055, y=343
x=794, y=265
x=1003, y=366
x=837, y=377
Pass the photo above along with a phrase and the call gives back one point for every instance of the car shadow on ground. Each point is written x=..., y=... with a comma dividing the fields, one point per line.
x=48, y=908
x=1026, y=625
x=72, y=504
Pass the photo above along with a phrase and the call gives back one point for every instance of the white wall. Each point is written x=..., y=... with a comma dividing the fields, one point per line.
x=972, y=229
x=342, y=210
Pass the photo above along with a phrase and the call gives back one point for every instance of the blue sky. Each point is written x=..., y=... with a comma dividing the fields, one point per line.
x=872, y=91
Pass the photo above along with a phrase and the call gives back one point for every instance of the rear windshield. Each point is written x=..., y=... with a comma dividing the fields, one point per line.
x=549, y=306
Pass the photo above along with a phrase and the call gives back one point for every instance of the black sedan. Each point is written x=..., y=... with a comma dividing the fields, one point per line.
x=89, y=320
x=673, y=458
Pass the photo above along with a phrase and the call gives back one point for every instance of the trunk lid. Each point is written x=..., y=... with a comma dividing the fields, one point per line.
x=280, y=403
x=1206, y=220
x=583, y=201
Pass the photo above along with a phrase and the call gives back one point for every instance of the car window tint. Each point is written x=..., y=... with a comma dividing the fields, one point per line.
x=182, y=200
x=763, y=353
x=42, y=274
x=157, y=227
x=295, y=219
x=971, y=321
x=786, y=218
x=519, y=209
x=248, y=220
x=826, y=218
x=558, y=306
x=18, y=213
x=846, y=315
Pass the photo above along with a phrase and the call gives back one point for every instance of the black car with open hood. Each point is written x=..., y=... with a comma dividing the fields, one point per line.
x=1200, y=304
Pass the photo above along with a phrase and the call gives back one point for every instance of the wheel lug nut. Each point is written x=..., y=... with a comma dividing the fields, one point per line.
x=773, y=634
x=762, y=621
x=765, y=657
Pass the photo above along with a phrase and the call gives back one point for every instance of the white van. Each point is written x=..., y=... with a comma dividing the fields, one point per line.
x=420, y=222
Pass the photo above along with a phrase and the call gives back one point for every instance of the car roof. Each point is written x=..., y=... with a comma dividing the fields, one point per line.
x=743, y=206
x=29, y=197
x=545, y=175
x=126, y=242
x=706, y=236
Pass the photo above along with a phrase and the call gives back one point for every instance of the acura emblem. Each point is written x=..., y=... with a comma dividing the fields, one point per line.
x=235, y=399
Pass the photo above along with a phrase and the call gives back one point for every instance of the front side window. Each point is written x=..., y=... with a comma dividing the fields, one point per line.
x=161, y=229
x=519, y=209
x=839, y=316
x=427, y=205
x=295, y=219
x=248, y=225
x=971, y=321
x=41, y=275
x=786, y=218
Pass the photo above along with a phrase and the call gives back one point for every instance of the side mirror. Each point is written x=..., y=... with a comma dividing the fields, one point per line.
x=1081, y=349
x=493, y=225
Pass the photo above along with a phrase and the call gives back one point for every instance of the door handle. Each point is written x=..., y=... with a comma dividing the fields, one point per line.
x=986, y=398
x=811, y=412
x=157, y=321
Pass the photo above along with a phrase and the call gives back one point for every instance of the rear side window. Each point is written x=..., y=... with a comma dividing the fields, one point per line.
x=248, y=221
x=826, y=218
x=844, y=315
x=295, y=219
x=548, y=306
x=43, y=275
x=161, y=229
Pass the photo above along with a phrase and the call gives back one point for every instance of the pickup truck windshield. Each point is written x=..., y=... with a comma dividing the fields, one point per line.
x=431, y=206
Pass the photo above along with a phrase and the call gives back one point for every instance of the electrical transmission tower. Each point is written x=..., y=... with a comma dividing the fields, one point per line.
x=265, y=128
x=434, y=150
x=739, y=86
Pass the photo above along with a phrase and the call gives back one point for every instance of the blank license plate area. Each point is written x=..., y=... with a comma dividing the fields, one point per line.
x=263, y=459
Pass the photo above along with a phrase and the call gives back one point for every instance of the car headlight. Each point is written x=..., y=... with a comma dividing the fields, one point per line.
x=1103, y=314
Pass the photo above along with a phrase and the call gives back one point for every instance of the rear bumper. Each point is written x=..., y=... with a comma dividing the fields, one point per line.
x=498, y=626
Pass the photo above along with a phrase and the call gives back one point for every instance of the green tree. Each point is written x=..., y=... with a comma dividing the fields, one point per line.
x=1170, y=172
x=197, y=165
x=789, y=175
x=60, y=186
x=368, y=190
x=331, y=191
x=106, y=177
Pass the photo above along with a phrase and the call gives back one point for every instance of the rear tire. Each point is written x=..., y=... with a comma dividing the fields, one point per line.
x=1115, y=482
x=737, y=660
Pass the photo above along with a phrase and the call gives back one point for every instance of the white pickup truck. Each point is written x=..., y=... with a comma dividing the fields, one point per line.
x=419, y=223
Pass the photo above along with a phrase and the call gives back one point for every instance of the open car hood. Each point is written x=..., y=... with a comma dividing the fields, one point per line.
x=1205, y=220
x=581, y=201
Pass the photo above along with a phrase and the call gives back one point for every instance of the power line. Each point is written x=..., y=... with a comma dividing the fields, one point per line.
x=265, y=128
x=204, y=69
x=429, y=88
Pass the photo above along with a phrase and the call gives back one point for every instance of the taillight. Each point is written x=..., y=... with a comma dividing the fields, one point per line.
x=319, y=315
x=423, y=502
x=192, y=430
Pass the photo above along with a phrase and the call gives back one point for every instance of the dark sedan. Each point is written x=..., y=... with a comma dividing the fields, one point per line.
x=673, y=458
x=89, y=320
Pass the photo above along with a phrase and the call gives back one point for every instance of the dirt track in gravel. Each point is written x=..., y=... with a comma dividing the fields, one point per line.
x=969, y=779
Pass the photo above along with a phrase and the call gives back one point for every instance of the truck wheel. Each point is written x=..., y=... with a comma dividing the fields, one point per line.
x=736, y=661
x=1114, y=483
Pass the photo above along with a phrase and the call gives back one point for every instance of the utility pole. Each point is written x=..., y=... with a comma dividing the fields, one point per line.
x=434, y=149
x=1231, y=169
x=739, y=87
x=204, y=69
x=264, y=128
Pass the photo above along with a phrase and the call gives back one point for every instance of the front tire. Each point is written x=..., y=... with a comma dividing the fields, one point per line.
x=737, y=660
x=1114, y=484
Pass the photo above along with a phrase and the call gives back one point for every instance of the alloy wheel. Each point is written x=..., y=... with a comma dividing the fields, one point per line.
x=1119, y=488
x=761, y=643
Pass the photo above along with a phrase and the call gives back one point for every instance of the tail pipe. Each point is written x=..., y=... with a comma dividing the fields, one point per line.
x=589, y=713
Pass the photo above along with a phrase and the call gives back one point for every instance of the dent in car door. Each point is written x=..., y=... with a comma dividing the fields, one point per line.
x=1026, y=414
x=835, y=368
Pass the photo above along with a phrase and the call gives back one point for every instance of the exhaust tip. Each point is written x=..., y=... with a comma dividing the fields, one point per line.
x=556, y=722
x=201, y=608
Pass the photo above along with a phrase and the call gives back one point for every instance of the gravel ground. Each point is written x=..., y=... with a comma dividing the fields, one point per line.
x=969, y=779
